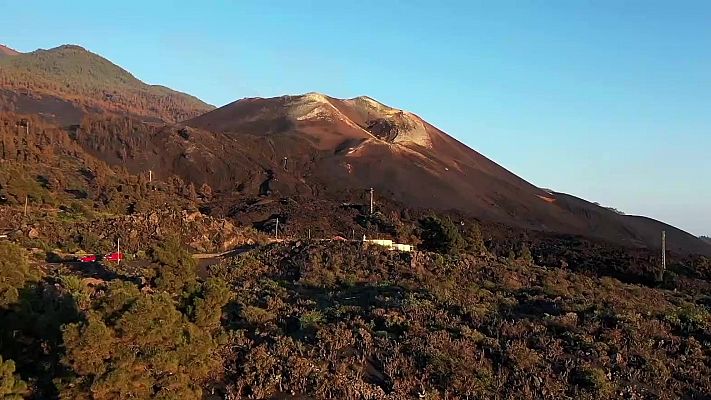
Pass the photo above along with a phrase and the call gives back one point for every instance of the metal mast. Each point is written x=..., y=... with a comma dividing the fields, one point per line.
x=664, y=255
x=371, y=200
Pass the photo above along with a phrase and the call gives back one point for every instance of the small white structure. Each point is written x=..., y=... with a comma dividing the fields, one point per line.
x=402, y=247
x=389, y=244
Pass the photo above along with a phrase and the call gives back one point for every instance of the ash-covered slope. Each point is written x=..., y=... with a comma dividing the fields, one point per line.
x=336, y=146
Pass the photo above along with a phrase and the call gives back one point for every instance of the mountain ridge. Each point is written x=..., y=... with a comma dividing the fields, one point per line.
x=89, y=82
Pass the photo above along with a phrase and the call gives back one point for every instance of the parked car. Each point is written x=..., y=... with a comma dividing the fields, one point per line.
x=115, y=256
x=89, y=258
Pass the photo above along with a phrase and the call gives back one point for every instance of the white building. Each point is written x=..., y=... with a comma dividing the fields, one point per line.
x=390, y=245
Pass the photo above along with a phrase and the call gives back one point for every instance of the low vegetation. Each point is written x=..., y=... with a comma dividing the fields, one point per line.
x=343, y=321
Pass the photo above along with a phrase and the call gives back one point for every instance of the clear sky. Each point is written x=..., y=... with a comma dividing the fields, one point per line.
x=606, y=100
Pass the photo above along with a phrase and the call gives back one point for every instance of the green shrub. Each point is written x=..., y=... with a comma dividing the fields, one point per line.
x=14, y=272
x=526, y=255
x=256, y=315
x=474, y=239
x=593, y=379
x=311, y=319
x=11, y=386
x=440, y=235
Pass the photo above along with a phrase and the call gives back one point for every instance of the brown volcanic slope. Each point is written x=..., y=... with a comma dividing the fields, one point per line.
x=337, y=146
x=69, y=81
x=6, y=51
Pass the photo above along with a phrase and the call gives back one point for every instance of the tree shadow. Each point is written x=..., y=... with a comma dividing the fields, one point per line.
x=31, y=335
x=531, y=303
x=97, y=270
x=77, y=193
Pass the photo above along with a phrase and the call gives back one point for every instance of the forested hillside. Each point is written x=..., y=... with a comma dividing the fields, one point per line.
x=74, y=74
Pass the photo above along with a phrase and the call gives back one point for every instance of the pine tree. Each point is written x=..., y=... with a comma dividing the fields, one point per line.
x=441, y=235
x=142, y=346
x=526, y=255
x=474, y=239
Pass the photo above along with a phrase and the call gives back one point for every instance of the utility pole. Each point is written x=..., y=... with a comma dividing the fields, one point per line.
x=664, y=256
x=276, y=229
x=309, y=234
x=26, y=201
x=371, y=200
x=285, y=161
x=150, y=176
x=118, y=250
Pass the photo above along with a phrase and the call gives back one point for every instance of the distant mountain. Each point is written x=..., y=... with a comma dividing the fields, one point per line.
x=705, y=239
x=68, y=81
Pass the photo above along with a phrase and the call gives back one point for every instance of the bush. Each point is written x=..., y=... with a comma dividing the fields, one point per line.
x=593, y=379
x=11, y=386
x=526, y=255
x=256, y=315
x=14, y=272
x=311, y=319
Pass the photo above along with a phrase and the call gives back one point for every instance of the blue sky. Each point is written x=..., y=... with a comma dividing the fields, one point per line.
x=607, y=100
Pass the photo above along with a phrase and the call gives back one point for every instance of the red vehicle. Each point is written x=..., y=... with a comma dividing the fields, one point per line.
x=88, y=258
x=115, y=256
